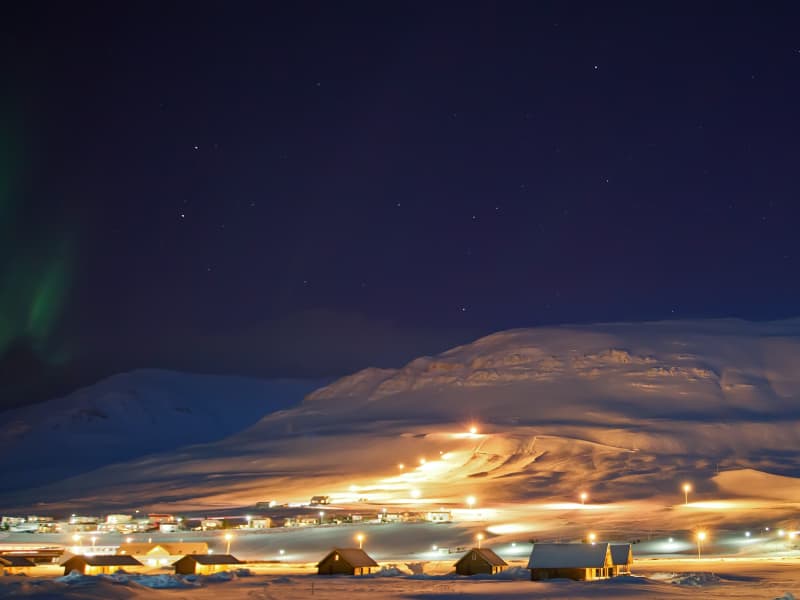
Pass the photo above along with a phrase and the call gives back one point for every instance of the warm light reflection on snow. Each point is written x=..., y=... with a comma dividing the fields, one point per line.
x=577, y=506
x=508, y=528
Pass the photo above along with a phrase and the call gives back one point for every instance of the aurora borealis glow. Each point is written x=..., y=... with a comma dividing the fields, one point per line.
x=34, y=268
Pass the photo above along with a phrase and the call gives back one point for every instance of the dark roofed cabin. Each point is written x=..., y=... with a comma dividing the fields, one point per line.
x=621, y=558
x=99, y=565
x=204, y=564
x=346, y=561
x=581, y=562
x=13, y=565
x=480, y=560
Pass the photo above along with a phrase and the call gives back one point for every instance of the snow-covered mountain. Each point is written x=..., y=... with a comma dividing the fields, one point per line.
x=625, y=409
x=130, y=415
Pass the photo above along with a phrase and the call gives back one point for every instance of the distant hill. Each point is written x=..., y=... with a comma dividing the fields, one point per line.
x=626, y=410
x=131, y=415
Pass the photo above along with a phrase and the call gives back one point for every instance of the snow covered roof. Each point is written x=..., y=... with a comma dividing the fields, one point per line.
x=355, y=557
x=171, y=548
x=105, y=560
x=569, y=556
x=488, y=555
x=621, y=554
x=212, y=559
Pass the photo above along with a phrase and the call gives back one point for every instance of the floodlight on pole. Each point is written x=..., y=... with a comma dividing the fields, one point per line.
x=584, y=497
x=687, y=487
x=701, y=536
x=360, y=538
x=479, y=539
x=228, y=538
x=471, y=501
x=592, y=537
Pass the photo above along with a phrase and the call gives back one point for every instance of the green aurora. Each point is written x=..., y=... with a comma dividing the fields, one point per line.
x=34, y=270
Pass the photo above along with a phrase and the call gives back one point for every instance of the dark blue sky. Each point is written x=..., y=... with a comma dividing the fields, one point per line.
x=308, y=189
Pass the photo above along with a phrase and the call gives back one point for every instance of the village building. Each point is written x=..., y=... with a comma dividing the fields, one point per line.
x=346, y=561
x=480, y=560
x=439, y=516
x=621, y=558
x=11, y=564
x=99, y=565
x=161, y=554
x=301, y=521
x=260, y=523
x=581, y=562
x=205, y=564
x=320, y=500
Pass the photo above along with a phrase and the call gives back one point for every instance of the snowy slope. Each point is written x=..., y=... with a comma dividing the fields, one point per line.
x=130, y=415
x=625, y=410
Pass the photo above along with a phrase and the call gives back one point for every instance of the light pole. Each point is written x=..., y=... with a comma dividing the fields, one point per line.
x=701, y=536
x=94, y=539
x=471, y=501
x=360, y=538
x=77, y=539
x=321, y=517
x=584, y=497
x=479, y=539
x=228, y=538
x=687, y=487
x=592, y=538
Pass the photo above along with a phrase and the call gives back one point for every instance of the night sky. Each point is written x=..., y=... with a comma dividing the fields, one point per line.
x=306, y=189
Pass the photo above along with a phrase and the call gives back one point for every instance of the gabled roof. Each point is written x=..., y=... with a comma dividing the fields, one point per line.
x=621, y=554
x=568, y=556
x=487, y=555
x=106, y=560
x=11, y=560
x=212, y=559
x=355, y=557
x=171, y=548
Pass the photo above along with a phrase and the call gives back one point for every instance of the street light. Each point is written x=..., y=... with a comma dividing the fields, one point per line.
x=473, y=430
x=479, y=539
x=592, y=538
x=701, y=536
x=228, y=538
x=471, y=501
x=584, y=497
x=360, y=538
x=687, y=487
x=321, y=517
x=77, y=539
x=94, y=539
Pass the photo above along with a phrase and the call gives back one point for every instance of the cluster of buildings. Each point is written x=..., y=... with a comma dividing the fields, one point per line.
x=578, y=561
x=581, y=562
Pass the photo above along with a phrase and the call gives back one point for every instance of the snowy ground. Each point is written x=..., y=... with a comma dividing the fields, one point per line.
x=727, y=579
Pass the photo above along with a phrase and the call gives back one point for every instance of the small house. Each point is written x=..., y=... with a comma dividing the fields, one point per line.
x=163, y=554
x=621, y=558
x=260, y=523
x=320, y=500
x=439, y=516
x=14, y=565
x=205, y=564
x=581, y=562
x=480, y=560
x=104, y=564
x=346, y=561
